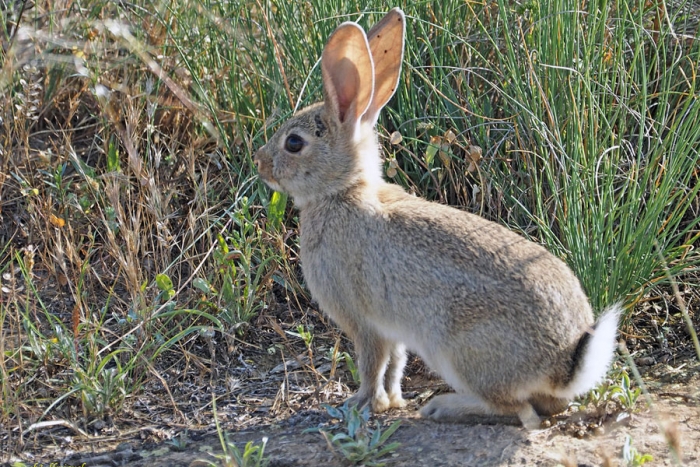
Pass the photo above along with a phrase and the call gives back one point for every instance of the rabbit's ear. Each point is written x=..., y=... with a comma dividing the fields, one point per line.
x=348, y=80
x=386, y=42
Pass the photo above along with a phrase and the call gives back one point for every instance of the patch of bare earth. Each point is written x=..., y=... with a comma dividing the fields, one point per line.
x=268, y=383
x=673, y=420
x=272, y=386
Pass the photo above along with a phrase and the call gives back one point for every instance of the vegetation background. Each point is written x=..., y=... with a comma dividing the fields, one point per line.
x=143, y=267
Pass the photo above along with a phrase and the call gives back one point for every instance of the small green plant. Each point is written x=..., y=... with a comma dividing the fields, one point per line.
x=253, y=455
x=350, y=363
x=306, y=334
x=618, y=389
x=165, y=285
x=97, y=379
x=359, y=443
x=179, y=442
x=631, y=457
x=624, y=393
x=243, y=266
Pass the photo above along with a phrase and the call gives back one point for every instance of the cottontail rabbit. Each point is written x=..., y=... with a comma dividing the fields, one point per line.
x=502, y=320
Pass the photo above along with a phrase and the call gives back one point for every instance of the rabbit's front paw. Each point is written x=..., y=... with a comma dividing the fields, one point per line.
x=380, y=402
x=396, y=401
x=384, y=402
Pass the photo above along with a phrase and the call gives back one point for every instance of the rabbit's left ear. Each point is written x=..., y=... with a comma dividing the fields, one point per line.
x=386, y=42
x=348, y=77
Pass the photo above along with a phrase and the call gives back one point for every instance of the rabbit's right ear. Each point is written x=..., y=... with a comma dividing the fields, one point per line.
x=386, y=42
x=348, y=78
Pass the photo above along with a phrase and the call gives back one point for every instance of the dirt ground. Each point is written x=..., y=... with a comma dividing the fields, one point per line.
x=272, y=386
x=672, y=420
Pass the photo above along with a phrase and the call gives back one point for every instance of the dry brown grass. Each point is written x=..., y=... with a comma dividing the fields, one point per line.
x=106, y=181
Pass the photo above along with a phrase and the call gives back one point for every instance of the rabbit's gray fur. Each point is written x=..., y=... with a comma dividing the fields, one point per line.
x=502, y=320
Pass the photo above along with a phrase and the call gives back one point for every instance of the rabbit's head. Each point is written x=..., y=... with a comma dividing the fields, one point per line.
x=331, y=146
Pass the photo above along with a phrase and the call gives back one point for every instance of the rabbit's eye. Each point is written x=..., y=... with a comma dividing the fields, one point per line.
x=294, y=143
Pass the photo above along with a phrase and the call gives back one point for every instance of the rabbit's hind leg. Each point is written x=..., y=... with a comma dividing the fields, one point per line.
x=528, y=417
x=394, y=373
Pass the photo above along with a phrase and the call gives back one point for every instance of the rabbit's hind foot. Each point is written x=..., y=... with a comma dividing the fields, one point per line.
x=546, y=405
x=456, y=408
x=464, y=408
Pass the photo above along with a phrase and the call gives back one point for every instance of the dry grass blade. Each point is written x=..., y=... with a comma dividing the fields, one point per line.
x=52, y=423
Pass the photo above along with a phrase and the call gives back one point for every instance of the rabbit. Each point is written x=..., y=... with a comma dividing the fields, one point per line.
x=503, y=321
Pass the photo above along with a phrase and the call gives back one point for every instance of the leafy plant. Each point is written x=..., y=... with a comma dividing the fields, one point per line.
x=359, y=442
x=631, y=457
x=618, y=388
x=251, y=456
x=624, y=393
x=243, y=265
x=351, y=366
x=179, y=442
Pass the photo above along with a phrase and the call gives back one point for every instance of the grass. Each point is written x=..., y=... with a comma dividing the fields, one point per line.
x=252, y=455
x=134, y=235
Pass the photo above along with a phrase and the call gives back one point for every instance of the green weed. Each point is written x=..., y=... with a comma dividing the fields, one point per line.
x=243, y=265
x=252, y=455
x=180, y=442
x=618, y=388
x=351, y=366
x=358, y=442
x=631, y=457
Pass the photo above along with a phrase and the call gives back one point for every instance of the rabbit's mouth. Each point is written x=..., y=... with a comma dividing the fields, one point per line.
x=264, y=164
x=271, y=183
x=266, y=176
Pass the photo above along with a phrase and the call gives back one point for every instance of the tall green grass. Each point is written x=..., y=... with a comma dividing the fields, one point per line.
x=589, y=123
x=611, y=115
x=588, y=119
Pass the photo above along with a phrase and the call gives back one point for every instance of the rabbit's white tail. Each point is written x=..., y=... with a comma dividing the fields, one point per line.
x=597, y=353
